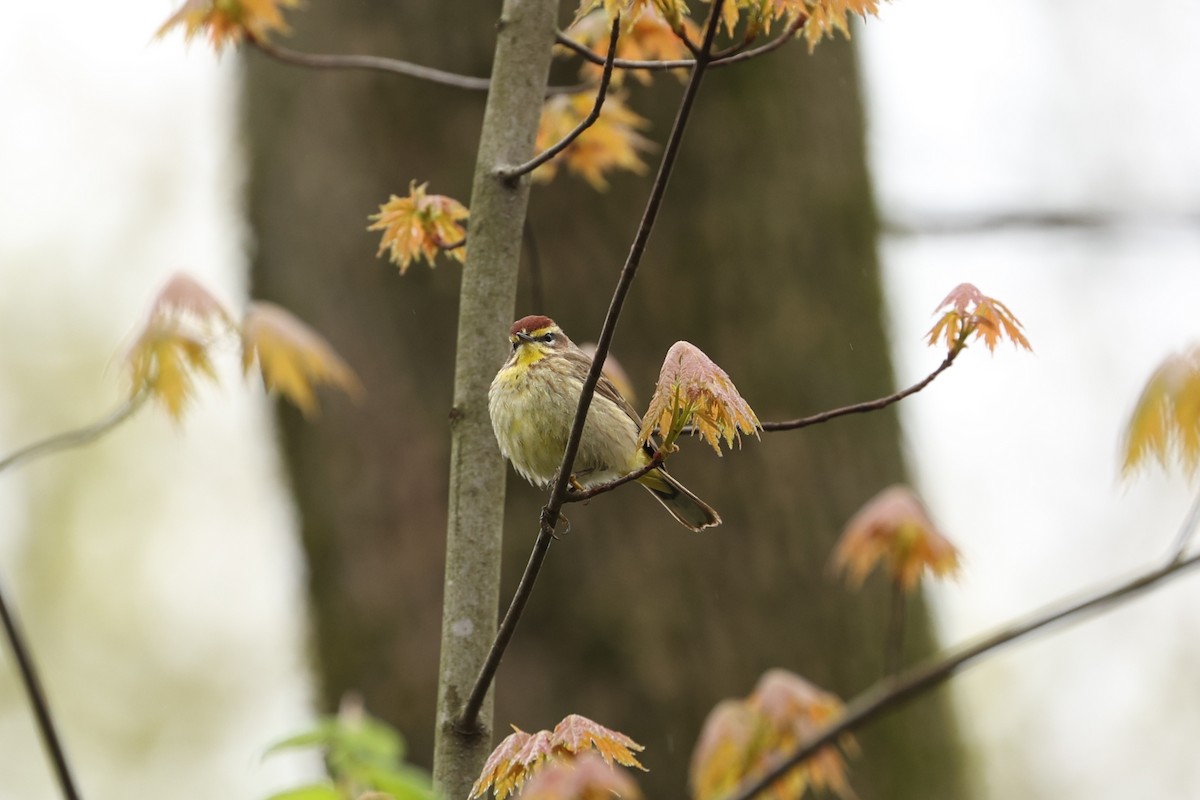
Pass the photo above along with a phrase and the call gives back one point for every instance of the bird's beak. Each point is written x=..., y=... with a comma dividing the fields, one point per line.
x=522, y=337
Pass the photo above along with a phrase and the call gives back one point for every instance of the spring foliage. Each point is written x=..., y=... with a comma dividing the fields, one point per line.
x=521, y=755
x=1165, y=424
x=186, y=325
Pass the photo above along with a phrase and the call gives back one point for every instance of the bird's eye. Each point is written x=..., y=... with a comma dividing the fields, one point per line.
x=547, y=337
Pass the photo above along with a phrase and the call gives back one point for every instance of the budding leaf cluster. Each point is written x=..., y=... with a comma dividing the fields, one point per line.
x=742, y=739
x=522, y=755
x=228, y=22
x=186, y=324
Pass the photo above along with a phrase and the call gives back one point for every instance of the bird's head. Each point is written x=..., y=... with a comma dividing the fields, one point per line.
x=535, y=337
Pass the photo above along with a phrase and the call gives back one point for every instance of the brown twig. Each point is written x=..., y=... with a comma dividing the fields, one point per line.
x=12, y=631
x=861, y=408
x=512, y=173
x=468, y=719
x=394, y=66
x=578, y=496
x=37, y=699
x=893, y=692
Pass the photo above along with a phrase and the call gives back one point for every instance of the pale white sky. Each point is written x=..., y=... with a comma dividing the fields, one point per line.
x=117, y=166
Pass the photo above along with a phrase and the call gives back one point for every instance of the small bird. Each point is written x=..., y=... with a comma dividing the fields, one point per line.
x=532, y=402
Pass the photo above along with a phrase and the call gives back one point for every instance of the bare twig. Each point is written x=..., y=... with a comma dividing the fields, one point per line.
x=37, y=699
x=620, y=63
x=29, y=676
x=859, y=408
x=394, y=66
x=893, y=692
x=467, y=719
x=512, y=173
x=577, y=496
x=75, y=438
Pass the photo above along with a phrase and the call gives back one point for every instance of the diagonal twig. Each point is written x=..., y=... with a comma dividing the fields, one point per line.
x=37, y=699
x=578, y=496
x=468, y=719
x=862, y=408
x=512, y=173
x=74, y=438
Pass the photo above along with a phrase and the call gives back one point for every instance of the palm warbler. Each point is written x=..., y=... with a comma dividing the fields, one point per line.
x=533, y=400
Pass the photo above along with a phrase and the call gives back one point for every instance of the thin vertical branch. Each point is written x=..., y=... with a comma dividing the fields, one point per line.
x=37, y=700
x=550, y=514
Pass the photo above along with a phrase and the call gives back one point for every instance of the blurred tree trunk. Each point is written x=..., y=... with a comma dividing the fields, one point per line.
x=764, y=257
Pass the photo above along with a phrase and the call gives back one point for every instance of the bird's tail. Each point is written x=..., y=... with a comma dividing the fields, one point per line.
x=692, y=512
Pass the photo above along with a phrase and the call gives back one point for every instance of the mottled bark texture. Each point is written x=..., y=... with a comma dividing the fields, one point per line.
x=764, y=257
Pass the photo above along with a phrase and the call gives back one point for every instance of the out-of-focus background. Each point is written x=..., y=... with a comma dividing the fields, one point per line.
x=186, y=612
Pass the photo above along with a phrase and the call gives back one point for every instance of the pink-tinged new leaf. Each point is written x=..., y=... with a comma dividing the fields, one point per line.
x=420, y=225
x=692, y=389
x=228, y=21
x=292, y=357
x=172, y=347
x=1165, y=423
x=502, y=768
x=893, y=528
x=732, y=742
x=587, y=777
x=576, y=734
x=797, y=710
x=969, y=312
x=743, y=739
x=521, y=755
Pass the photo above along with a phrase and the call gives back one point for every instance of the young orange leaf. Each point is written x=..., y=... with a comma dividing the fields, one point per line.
x=420, y=225
x=731, y=743
x=969, y=312
x=797, y=710
x=631, y=11
x=894, y=528
x=692, y=389
x=585, y=778
x=503, y=772
x=164, y=360
x=172, y=347
x=1165, y=424
x=612, y=142
x=292, y=357
x=521, y=754
x=575, y=734
x=228, y=21
x=744, y=738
